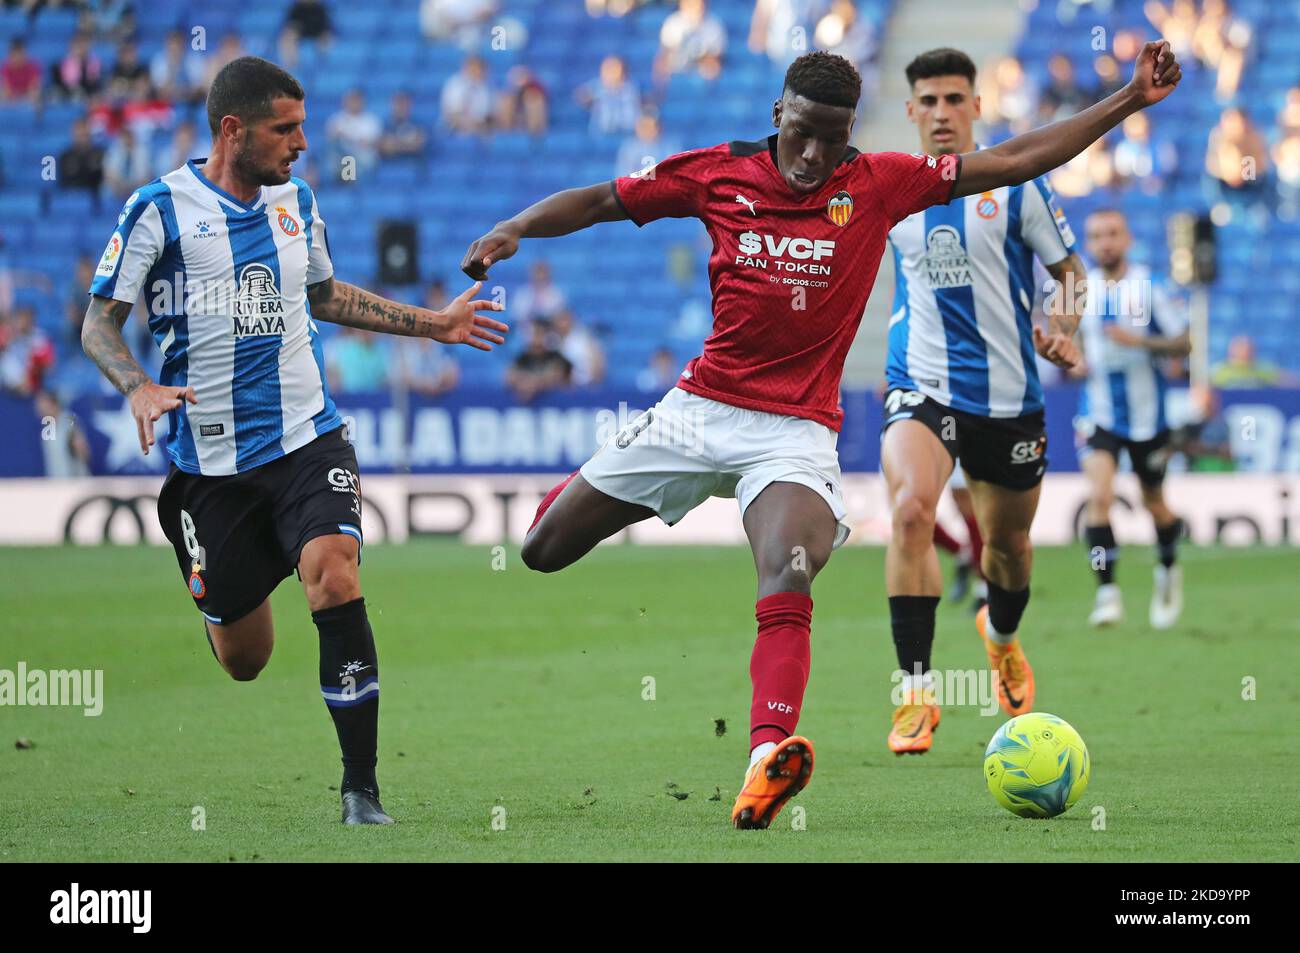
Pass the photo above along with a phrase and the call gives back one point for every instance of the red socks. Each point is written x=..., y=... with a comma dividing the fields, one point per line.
x=945, y=540
x=976, y=544
x=549, y=498
x=779, y=666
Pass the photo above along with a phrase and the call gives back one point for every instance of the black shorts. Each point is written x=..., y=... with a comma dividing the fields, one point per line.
x=1010, y=452
x=1149, y=457
x=237, y=537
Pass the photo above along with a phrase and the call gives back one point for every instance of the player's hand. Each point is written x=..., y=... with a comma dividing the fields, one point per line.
x=149, y=402
x=1156, y=72
x=460, y=322
x=1123, y=336
x=1060, y=349
x=496, y=245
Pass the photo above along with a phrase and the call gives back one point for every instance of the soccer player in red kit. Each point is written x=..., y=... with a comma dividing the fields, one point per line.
x=798, y=223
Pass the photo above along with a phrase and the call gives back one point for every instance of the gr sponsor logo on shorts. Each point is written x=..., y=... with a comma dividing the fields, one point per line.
x=1028, y=451
x=623, y=428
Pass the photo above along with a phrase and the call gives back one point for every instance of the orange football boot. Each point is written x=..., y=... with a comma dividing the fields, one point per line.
x=1015, y=676
x=915, y=722
x=771, y=782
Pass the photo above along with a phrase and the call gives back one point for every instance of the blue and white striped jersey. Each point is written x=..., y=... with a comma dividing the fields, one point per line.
x=960, y=331
x=1125, y=391
x=225, y=284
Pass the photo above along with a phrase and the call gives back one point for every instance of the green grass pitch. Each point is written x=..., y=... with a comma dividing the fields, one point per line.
x=521, y=694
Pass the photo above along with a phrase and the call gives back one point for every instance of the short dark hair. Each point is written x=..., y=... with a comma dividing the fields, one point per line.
x=245, y=87
x=944, y=61
x=825, y=78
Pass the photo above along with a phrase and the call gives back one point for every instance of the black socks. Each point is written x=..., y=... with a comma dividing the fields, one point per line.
x=1006, y=608
x=912, y=623
x=349, y=682
x=1102, y=552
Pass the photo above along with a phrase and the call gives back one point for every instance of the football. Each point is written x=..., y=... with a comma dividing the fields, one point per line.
x=1037, y=765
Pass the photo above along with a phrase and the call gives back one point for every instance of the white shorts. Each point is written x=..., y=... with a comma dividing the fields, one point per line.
x=687, y=448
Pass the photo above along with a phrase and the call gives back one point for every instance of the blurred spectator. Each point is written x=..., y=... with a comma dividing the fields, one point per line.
x=1110, y=78
x=181, y=149
x=467, y=98
x=1094, y=168
x=645, y=148
x=580, y=348
x=523, y=103
x=660, y=373
x=356, y=362
x=1137, y=158
x=176, y=71
x=126, y=165
x=79, y=73
x=1242, y=368
x=1236, y=158
x=83, y=273
x=127, y=69
x=614, y=8
x=403, y=136
x=539, y=368
x=1061, y=97
x=1286, y=163
x=691, y=39
x=612, y=98
x=231, y=48
x=845, y=32
x=66, y=451
x=26, y=354
x=306, y=20
x=1175, y=22
x=1006, y=96
x=20, y=77
x=463, y=22
x=781, y=28
x=354, y=131
x=1220, y=42
x=427, y=367
x=81, y=165
x=1288, y=117
x=540, y=299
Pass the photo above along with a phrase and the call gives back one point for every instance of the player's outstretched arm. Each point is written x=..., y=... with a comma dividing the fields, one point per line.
x=1155, y=74
x=101, y=339
x=459, y=323
x=1064, y=308
x=557, y=214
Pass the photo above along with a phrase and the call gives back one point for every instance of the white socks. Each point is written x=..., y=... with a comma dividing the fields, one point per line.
x=761, y=752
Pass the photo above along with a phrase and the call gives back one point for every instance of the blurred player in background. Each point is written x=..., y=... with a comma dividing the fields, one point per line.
x=963, y=386
x=1129, y=328
x=798, y=222
x=966, y=555
x=231, y=254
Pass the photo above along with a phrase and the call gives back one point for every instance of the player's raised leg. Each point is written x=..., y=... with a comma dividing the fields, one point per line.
x=572, y=518
x=1005, y=516
x=1167, y=595
x=244, y=647
x=1103, y=552
x=916, y=466
x=791, y=531
x=349, y=667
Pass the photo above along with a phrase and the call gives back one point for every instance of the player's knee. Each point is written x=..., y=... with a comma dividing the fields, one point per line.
x=914, y=518
x=243, y=669
x=335, y=583
x=538, y=555
x=1009, y=548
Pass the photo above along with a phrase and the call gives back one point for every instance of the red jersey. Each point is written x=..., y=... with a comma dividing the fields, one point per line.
x=790, y=274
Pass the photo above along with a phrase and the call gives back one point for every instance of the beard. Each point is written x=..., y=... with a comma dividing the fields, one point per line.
x=251, y=170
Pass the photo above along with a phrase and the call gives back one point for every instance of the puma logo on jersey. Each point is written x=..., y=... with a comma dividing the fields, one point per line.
x=748, y=203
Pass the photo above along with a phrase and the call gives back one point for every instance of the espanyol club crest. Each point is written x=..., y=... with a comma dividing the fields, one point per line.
x=197, y=589
x=839, y=208
x=288, y=224
x=986, y=206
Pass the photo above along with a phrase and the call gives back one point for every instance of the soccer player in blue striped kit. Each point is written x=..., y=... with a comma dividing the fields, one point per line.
x=962, y=386
x=231, y=256
x=1130, y=328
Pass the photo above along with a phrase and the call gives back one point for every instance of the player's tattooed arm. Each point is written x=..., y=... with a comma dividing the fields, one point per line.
x=559, y=214
x=459, y=323
x=1063, y=307
x=101, y=339
x=1155, y=74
